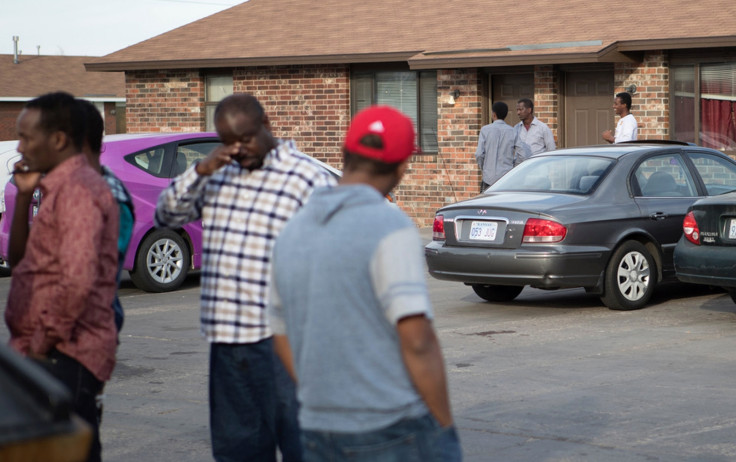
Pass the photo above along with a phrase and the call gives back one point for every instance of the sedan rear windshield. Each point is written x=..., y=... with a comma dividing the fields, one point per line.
x=576, y=174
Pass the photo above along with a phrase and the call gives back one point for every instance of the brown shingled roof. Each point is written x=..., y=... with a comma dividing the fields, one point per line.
x=36, y=75
x=261, y=32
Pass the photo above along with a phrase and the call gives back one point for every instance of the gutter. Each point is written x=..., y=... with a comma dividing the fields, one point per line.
x=95, y=99
x=117, y=66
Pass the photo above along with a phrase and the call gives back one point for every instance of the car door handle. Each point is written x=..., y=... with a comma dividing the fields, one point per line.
x=658, y=216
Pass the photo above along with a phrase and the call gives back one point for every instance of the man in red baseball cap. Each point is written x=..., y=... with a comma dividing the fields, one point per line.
x=351, y=313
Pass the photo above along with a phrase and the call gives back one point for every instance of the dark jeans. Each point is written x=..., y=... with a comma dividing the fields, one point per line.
x=409, y=440
x=83, y=387
x=253, y=404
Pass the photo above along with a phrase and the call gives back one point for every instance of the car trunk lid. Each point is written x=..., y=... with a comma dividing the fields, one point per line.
x=716, y=220
x=498, y=220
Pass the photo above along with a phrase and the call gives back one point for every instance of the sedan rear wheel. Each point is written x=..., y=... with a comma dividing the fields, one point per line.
x=162, y=262
x=630, y=277
x=493, y=293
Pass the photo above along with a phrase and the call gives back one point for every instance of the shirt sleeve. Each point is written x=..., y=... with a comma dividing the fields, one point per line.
x=181, y=201
x=398, y=276
x=480, y=152
x=522, y=151
x=549, y=140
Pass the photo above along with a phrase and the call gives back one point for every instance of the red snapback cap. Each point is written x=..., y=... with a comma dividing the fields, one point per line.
x=395, y=130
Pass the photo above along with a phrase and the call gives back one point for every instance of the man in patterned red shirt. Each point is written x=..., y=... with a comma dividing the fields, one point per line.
x=64, y=267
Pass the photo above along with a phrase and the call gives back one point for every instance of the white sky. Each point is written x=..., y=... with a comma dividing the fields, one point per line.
x=94, y=27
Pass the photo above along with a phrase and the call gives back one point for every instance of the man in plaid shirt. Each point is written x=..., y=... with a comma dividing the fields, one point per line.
x=244, y=191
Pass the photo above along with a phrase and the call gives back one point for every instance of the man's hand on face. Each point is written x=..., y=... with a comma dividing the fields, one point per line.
x=218, y=158
x=25, y=180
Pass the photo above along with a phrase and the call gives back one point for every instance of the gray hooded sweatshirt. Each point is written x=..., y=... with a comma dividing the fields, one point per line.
x=346, y=268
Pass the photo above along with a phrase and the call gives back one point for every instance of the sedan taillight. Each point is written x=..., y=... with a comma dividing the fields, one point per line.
x=438, y=228
x=690, y=228
x=538, y=230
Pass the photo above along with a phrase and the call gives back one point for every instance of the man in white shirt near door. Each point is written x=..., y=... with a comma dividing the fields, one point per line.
x=627, y=128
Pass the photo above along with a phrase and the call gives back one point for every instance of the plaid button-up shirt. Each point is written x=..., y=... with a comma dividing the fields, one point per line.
x=242, y=213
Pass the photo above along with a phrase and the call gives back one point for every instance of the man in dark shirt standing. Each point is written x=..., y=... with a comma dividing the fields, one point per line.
x=64, y=267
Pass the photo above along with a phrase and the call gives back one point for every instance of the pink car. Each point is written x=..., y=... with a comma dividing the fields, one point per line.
x=158, y=259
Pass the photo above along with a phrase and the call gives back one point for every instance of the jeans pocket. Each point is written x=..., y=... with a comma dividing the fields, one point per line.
x=400, y=449
x=446, y=445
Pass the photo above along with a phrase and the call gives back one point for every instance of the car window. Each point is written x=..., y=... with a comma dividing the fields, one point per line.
x=718, y=174
x=578, y=174
x=187, y=154
x=151, y=160
x=664, y=176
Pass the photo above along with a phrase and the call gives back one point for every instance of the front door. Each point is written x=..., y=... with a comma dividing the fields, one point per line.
x=510, y=88
x=588, y=100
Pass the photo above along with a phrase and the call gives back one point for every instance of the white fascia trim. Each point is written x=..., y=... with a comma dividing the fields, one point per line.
x=103, y=99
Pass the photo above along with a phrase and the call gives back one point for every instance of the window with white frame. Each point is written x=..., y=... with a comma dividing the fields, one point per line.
x=412, y=92
x=217, y=87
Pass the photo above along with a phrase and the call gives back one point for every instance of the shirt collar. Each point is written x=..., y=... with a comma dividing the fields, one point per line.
x=61, y=173
x=274, y=155
x=271, y=157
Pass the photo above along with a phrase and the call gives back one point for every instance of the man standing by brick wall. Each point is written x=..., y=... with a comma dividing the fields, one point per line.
x=495, y=153
x=244, y=192
x=626, y=128
x=532, y=135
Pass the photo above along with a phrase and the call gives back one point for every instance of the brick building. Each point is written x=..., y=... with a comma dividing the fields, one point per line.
x=23, y=78
x=314, y=64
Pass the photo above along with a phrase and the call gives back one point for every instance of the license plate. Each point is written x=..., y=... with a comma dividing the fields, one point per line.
x=732, y=229
x=483, y=230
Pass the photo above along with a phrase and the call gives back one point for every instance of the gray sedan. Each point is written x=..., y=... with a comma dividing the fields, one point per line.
x=605, y=218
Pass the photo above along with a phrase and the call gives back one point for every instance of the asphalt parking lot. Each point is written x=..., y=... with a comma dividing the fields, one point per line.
x=552, y=376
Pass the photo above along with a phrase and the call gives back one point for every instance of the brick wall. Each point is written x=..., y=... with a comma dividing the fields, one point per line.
x=433, y=181
x=650, y=103
x=164, y=101
x=8, y=115
x=110, y=120
x=546, y=97
x=310, y=104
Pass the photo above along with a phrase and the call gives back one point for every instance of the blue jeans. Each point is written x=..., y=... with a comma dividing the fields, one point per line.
x=409, y=440
x=253, y=407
